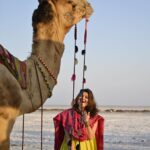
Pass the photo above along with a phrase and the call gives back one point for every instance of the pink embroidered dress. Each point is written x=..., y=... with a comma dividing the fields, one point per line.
x=70, y=120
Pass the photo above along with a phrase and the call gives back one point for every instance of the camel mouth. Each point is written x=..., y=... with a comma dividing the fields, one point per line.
x=89, y=11
x=80, y=11
x=84, y=10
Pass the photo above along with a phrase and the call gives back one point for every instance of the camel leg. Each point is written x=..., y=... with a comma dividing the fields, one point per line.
x=5, y=129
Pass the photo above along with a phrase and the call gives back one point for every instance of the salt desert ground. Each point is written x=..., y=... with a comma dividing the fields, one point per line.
x=125, y=129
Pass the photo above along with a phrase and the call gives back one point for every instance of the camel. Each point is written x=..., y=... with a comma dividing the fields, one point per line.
x=51, y=21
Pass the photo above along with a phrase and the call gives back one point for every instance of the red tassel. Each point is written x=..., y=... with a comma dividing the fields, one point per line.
x=85, y=36
x=84, y=81
x=73, y=78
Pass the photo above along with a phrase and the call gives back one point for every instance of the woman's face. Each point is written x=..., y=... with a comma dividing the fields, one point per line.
x=83, y=100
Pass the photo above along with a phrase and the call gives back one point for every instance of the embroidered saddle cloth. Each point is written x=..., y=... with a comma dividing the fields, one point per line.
x=15, y=66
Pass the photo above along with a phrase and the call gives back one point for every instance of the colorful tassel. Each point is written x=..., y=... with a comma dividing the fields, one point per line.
x=84, y=81
x=73, y=78
x=76, y=61
x=85, y=67
x=76, y=49
x=83, y=52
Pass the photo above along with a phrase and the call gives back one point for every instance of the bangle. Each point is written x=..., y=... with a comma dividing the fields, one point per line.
x=87, y=124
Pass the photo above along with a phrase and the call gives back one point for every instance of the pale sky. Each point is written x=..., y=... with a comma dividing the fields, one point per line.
x=118, y=50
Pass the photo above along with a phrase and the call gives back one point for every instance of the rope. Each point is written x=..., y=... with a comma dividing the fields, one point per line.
x=41, y=106
x=23, y=131
x=73, y=78
x=42, y=127
x=84, y=54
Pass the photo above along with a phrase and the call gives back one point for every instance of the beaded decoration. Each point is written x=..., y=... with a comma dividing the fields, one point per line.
x=49, y=72
x=83, y=52
x=43, y=74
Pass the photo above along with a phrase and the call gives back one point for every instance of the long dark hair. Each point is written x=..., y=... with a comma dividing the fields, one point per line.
x=91, y=107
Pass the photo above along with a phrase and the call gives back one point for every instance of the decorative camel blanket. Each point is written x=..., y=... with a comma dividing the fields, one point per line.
x=15, y=66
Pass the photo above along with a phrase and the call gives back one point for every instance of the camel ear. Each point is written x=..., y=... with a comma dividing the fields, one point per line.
x=40, y=1
x=44, y=13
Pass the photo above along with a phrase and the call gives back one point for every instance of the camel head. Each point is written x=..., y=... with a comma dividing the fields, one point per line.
x=71, y=12
x=63, y=14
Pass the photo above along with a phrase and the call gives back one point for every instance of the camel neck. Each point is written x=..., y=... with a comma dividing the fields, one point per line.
x=50, y=51
x=45, y=47
x=53, y=31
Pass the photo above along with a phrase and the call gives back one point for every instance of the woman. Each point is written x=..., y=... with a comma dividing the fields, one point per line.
x=80, y=127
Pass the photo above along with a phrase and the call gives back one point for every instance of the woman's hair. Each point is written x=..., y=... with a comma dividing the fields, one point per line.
x=91, y=107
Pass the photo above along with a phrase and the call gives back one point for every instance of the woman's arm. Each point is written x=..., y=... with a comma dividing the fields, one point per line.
x=90, y=131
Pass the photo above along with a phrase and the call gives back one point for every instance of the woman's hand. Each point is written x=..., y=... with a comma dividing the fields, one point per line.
x=86, y=117
x=90, y=131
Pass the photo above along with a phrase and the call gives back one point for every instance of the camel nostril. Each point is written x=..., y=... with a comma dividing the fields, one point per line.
x=74, y=6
